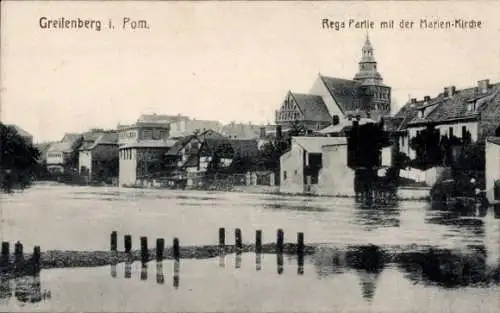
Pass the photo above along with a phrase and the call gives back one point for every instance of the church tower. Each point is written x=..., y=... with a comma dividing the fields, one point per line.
x=372, y=82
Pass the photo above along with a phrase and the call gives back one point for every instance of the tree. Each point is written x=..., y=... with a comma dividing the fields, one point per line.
x=18, y=159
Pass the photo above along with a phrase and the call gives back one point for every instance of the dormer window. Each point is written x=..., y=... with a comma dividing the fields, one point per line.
x=471, y=106
x=421, y=113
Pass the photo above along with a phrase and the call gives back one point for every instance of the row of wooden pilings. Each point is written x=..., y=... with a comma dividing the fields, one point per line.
x=19, y=265
x=160, y=244
x=161, y=248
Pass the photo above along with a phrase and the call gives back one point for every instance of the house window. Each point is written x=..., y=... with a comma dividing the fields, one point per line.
x=295, y=172
x=148, y=134
x=464, y=131
x=451, y=132
x=284, y=175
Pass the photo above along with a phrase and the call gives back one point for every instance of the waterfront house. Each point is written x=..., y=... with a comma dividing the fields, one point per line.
x=98, y=158
x=493, y=169
x=472, y=112
x=141, y=148
x=220, y=156
x=365, y=96
x=335, y=177
x=63, y=156
x=300, y=166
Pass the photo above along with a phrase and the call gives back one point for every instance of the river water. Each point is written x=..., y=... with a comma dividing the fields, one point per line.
x=445, y=261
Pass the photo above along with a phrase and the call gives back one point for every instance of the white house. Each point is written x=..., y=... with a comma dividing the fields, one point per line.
x=493, y=168
x=300, y=167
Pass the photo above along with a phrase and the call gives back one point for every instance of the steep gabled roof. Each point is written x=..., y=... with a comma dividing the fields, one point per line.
x=182, y=142
x=347, y=93
x=71, y=137
x=312, y=107
x=457, y=106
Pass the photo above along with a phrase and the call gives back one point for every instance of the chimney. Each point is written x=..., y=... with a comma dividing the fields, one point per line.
x=449, y=91
x=413, y=100
x=262, y=133
x=278, y=132
x=427, y=98
x=483, y=85
x=335, y=120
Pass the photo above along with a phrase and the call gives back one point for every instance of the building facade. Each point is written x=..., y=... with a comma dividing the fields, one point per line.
x=300, y=167
x=63, y=156
x=492, y=172
x=141, y=149
x=363, y=96
x=98, y=160
x=472, y=113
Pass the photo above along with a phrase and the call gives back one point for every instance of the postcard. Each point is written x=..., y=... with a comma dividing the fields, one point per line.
x=250, y=156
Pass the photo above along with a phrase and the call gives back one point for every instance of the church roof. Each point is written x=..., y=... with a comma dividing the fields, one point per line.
x=347, y=93
x=312, y=106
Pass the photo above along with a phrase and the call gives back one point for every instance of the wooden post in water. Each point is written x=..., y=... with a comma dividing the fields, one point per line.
x=36, y=259
x=176, y=250
x=300, y=253
x=4, y=261
x=222, y=237
x=258, y=241
x=237, y=240
x=128, y=243
x=160, y=247
x=114, y=241
x=18, y=256
x=279, y=241
x=144, y=250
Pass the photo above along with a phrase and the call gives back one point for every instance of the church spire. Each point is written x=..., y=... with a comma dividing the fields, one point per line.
x=368, y=66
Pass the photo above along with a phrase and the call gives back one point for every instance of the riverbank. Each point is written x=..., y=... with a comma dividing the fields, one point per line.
x=437, y=262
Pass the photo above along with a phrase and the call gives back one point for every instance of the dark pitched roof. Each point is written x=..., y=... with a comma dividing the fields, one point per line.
x=457, y=106
x=182, y=142
x=312, y=106
x=347, y=93
x=107, y=138
x=222, y=146
x=245, y=148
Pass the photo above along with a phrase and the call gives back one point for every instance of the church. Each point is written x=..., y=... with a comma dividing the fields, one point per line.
x=332, y=99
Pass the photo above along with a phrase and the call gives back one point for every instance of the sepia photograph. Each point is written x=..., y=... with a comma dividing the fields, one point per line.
x=250, y=156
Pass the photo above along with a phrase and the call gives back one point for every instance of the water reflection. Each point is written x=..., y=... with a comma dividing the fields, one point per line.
x=128, y=270
x=375, y=216
x=176, y=274
x=258, y=261
x=160, y=278
x=26, y=289
x=222, y=257
x=144, y=271
x=237, y=260
x=462, y=218
x=279, y=262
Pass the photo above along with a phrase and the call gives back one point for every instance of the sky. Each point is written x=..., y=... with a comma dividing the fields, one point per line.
x=226, y=61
